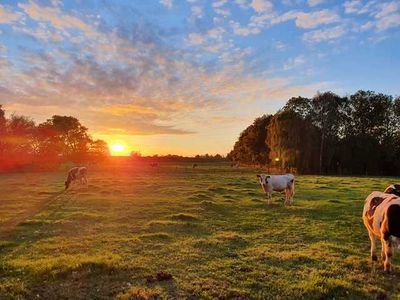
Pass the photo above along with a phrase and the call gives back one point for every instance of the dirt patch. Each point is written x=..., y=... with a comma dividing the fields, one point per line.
x=160, y=276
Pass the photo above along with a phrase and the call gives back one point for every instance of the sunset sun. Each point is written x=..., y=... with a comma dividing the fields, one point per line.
x=118, y=149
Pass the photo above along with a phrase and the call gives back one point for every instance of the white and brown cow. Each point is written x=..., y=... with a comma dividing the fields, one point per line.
x=393, y=189
x=278, y=183
x=381, y=216
x=77, y=173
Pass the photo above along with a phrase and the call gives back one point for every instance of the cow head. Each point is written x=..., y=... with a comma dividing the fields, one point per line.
x=393, y=189
x=263, y=179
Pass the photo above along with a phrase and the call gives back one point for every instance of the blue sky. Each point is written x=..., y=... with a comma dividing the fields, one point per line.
x=186, y=76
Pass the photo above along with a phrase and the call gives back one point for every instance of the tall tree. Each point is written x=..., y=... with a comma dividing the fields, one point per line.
x=292, y=140
x=251, y=146
x=65, y=134
x=327, y=114
x=3, y=122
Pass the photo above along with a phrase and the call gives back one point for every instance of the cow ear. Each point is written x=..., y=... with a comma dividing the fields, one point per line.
x=258, y=175
x=268, y=176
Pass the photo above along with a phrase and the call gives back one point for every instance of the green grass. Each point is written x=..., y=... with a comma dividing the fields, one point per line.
x=210, y=228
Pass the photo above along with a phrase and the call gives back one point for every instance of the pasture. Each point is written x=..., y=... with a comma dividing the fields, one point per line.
x=179, y=232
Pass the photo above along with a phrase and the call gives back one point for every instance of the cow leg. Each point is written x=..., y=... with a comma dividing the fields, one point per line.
x=286, y=197
x=386, y=253
x=373, y=246
x=269, y=198
x=291, y=195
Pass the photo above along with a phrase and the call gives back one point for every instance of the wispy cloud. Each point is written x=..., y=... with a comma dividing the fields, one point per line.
x=261, y=5
x=314, y=19
x=315, y=2
x=167, y=3
x=7, y=16
x=322, y=35
x=57, y=18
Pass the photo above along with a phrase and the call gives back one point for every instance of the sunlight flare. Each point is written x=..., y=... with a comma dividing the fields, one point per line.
x=118, y=149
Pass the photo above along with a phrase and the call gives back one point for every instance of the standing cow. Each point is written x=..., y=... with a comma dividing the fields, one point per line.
x=77, y=173
x=278, y=183
x=381, y=216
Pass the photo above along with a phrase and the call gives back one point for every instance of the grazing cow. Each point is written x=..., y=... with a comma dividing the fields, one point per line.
x=77, y=173
x=393, y=189
x=154, y=165
x=194, y=166
x=381, y=216
x=278, y=183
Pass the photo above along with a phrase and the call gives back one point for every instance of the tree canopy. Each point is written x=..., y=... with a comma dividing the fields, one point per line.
x=57, y=140
x=328, y=134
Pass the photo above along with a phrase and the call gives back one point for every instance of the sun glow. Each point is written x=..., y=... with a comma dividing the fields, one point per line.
x=118, y=149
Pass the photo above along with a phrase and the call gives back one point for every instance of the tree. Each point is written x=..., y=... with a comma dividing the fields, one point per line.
x=370, y=131
x=251, y=146
x=98, y=150
x=66, y=135
x=327, y=114
x=292, y=141
x=3, y=122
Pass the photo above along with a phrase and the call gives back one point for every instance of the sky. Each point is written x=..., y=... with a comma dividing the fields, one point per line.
x=187, y=76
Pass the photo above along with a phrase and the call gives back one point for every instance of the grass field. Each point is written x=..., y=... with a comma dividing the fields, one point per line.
x=178, y=232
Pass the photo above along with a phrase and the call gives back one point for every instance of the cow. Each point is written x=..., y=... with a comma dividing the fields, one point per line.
x=194, y=166
x=154, y=165
x=278, y=183
x=393, y=189
x=77, y=173
x=381, y=217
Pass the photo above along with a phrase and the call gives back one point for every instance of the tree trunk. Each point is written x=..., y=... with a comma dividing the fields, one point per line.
x=321, y=151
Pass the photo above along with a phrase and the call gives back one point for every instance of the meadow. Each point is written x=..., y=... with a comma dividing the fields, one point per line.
x=176, y=232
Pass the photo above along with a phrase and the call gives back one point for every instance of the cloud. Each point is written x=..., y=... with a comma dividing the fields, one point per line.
x=315, y=2
x=196, y=39
x=314, y=19
x=294, y=62
x=261, y=5
x=392, y=20
x=387, y=16
x=366, y=26
x=222, y=12
x=219, y=3
x=322, y=35
x=196, y=12
x=7, y=16
x=357, y=7
x=167, y=3
x=57, y=18
x=387, y=9
x=244, y=31
x=242, y=3
x=279, y=45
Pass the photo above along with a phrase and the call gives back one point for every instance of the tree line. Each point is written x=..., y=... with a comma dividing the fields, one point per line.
x=357, y=134
x=60, y=139
x=206, y=158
